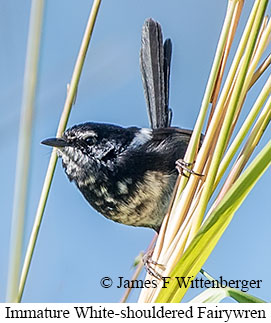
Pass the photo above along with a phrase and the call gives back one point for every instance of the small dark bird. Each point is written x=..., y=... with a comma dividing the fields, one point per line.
x=128, y=174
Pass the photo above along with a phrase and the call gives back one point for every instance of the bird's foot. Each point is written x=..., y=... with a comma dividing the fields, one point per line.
x=149, y=263
x=182, y=166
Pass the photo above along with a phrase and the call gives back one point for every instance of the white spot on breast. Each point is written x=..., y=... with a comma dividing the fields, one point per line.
x=128, y=180
x=98, y=192
x=109, y=199
x=88, y=181
x=103, y=190
x=122, y=187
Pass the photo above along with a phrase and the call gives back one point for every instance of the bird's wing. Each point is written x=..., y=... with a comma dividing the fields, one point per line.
x=155, y=61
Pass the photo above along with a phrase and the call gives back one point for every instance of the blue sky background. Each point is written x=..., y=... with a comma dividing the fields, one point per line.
x=76, y=246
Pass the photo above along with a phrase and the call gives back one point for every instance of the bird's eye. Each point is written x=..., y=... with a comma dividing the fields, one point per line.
x=90, y=140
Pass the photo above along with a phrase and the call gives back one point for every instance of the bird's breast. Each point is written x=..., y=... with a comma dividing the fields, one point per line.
x=141, y=203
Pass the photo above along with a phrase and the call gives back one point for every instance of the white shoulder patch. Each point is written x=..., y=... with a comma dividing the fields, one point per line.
x=141, y=137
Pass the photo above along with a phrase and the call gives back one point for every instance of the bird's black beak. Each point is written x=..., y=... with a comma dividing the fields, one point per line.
x=55, y=142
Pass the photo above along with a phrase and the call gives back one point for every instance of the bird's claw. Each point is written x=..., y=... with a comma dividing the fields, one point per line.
x=182, y=166
x=149, y=263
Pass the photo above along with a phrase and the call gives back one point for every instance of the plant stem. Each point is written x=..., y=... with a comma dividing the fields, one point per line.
x=24, y=148
x=62, y=125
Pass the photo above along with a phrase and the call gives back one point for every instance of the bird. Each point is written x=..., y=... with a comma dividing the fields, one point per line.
x=128, y=174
